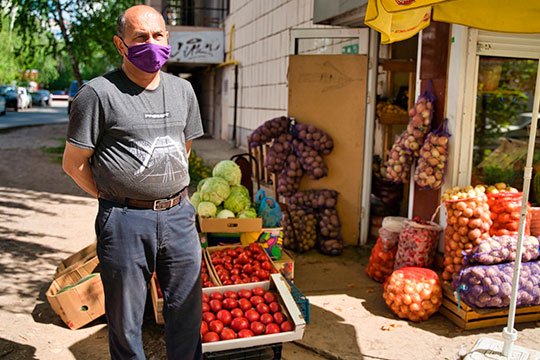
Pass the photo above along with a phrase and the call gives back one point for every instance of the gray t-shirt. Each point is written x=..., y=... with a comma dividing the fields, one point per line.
x=138, y=136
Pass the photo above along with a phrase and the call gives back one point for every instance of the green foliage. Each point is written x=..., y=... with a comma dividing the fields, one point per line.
x=494, y=175
x=198, y=169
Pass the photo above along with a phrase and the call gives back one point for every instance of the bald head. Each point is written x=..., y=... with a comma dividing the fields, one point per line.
x=136, y=14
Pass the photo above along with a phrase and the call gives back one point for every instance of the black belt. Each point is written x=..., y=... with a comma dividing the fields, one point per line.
x=159, y=204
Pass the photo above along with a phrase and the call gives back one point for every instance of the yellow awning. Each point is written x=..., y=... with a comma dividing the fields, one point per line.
x=398, y=20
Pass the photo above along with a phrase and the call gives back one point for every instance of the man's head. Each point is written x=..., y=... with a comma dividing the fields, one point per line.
x=138, y=25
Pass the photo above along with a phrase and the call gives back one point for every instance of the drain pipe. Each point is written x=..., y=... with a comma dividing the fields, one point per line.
x=235, y=63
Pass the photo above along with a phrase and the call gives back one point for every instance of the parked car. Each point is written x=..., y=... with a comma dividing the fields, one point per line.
x=26, y=99
x=13, y=99
x=2, y=105
x=41, y=98
x=73, y=91
x=59, y=95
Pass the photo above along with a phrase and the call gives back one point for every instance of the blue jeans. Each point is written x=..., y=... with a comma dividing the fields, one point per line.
x=132, y=243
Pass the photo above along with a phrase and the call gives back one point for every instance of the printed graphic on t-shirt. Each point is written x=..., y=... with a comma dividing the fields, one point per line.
x=164, y=161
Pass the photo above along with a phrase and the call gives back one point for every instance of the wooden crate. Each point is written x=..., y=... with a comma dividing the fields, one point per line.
x=467, y=318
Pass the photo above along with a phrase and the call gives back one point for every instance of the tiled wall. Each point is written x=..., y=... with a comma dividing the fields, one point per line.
x=261, y=46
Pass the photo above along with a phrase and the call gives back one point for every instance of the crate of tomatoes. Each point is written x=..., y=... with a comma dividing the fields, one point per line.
x=237, y=264
x=247, y=315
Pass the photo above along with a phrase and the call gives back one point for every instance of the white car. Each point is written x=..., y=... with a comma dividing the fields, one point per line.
x=26, y=99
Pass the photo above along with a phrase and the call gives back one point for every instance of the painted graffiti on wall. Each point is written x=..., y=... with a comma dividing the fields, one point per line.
x=197, y=47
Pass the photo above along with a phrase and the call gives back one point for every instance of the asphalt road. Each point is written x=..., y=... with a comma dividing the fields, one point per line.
x=37, y=115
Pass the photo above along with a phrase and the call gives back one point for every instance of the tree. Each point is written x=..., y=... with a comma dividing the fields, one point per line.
x=85, y=28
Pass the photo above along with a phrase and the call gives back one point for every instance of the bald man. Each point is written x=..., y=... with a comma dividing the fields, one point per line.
x=128, y=140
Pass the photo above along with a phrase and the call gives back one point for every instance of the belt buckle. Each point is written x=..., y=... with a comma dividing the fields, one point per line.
x=162, y=204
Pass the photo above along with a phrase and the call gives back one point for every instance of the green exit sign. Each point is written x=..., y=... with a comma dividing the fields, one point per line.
x=350, y=49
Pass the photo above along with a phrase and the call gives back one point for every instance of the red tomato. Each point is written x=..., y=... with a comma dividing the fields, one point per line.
x=210, y=337
x=237, y=313
x=247, y=269
x=239, y=249
x=230, y=294
x=216, y=296
x=266, y=265
x=244, y=304
x=224, y=316
x=255, y=300
x=235, y=272
x=258, y=291
x=244, y=333
x=215, y=305
x=272, y=328
x=262, y=308
x=239, y=323
x=204, y=327
x=243, y=259
x=232, y=253
x=257, y=327
x=229, y=303
x=244, y=293
x=252, y=315
x=279, y=318
x=205, y=298
x=216, y=326
x=267, y=319
x=227, y=282
x=208, y=316
x=286, y=326
x=228, y=334
x=274, y=307
x=269, y=297
x=254, y=279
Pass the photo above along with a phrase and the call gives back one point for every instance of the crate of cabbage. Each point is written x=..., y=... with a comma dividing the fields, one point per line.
x=224, y=205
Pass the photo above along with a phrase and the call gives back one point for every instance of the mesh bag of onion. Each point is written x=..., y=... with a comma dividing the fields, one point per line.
x=500, y=249
x=431, y=165
x=485, y=286
x=381, y=262
x=413, y=293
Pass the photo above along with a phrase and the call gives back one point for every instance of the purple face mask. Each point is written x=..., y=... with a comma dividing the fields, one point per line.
x=148, y=57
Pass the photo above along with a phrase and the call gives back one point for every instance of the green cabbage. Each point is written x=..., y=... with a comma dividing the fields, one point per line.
x=195, y=199
x=237, y=202
x=207, y=209
x=249, y=213
x=241, y=189
x=201, y=183
x=215, y=190
x=229, y=171
x=225, y=214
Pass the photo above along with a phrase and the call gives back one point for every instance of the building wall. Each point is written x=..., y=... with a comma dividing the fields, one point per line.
x=261, y=46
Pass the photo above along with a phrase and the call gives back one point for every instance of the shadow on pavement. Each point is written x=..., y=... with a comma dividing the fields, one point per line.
x=10, y=350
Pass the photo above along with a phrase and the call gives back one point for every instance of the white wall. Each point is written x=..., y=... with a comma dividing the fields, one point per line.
x=260, y=45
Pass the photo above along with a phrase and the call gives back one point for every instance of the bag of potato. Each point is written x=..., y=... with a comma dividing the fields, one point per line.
x=485, y=286
x=431, y=165
x=417, y=243
x=299, y=228
x=389, y=231
x=330, y=241
x=397, y=167
x=413, y=293
x=420, y=116
x=500, y=249
x=381, y=262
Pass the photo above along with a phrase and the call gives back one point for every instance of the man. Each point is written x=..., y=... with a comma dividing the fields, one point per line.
x=128, y=141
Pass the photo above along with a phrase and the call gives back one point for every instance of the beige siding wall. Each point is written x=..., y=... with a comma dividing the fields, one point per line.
x=260, y=45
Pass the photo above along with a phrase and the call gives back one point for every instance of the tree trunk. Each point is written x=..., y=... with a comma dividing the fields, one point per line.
x=72, y=59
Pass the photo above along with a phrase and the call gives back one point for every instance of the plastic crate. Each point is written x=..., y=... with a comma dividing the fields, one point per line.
x=300, y=299
x=263, y=352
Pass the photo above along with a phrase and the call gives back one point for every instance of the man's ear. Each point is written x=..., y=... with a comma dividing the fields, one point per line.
x=119, y=45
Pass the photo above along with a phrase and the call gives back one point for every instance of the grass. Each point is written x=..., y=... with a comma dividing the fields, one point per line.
x=55, y=150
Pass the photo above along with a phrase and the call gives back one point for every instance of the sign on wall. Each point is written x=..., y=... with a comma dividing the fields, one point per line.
x=205, y=47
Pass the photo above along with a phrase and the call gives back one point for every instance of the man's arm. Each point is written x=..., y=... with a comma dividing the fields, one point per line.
x=188, y=147
x=76, y=164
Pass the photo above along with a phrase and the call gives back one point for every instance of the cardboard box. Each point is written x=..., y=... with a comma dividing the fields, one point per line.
x=75, y=260
x=82, y=303
x=231, y=225
x=285, y=265
x=279, y=285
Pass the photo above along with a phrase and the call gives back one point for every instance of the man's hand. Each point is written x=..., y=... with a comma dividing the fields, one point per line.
x=76, y=164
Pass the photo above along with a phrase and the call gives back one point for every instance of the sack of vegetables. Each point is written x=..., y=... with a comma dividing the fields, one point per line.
x=299, y=228
x=485, y=286
x=413, y=293
x=505, y=208
x=420, y=116
x=417, y=243
x=431, y=166
x=381, y=262
x=500, y=249
x=389, y=231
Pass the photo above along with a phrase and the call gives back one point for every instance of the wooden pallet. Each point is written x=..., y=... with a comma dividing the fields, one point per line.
x=467, y=318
